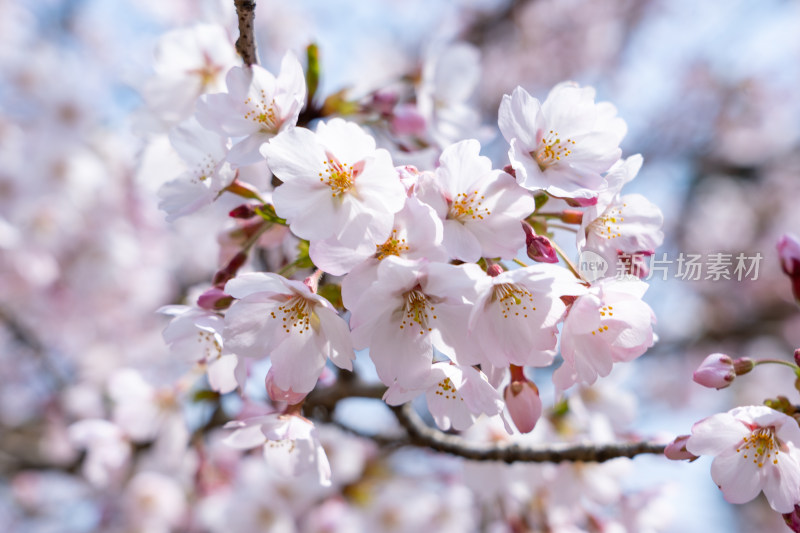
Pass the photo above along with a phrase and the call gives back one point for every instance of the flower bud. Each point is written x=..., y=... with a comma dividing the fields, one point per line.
x=793, y=519
x=214, y=299
x=539, y=247
x=279, y=395
x=244, y=211
x=789, y=253
x=494, y=270
x=715, y=372
x=676, y=450
x=523, y=403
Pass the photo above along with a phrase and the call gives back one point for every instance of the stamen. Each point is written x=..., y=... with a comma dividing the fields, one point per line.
x=338, y=176
x=513, y=299
x=392, y=246
x=551, y=150
x=467, y=205
x=296, y=313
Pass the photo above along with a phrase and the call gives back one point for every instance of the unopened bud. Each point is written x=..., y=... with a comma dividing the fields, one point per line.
x=539, y=247
x=676, y=450
x=793, y=519
x=789, y=253
x=279, y=395
x=715, y=372
x=523, y=403
x=244, y=211
x=494, y=270
x=508, y=169
x=226, y=273
x=384, y=100
x=797, y=357
x=214, y=299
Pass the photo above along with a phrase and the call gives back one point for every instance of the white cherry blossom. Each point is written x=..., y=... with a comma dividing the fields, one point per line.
x=754, y=449
x=564, y=145
x=284, y=320
x=257, y=106
x=336, y=185
x=411, y=308
x=481, y=207
x=456, y=395
x=290, y=444
x=208, y=171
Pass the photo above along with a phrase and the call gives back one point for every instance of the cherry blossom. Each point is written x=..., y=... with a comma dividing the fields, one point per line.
x=754, y=449
x=208, y=172
x=284, y=320
x=257, y=106
x=609, y=324
x=337, y=174
x=456, y=395
x=411, y=308
x=516, y=314
x=564, y=145
x=630, y=224
x=290, y=444
x=196, y=335
x=481, y=207
x=188, y=62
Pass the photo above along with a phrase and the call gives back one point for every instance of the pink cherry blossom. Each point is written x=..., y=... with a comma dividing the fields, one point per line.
x=456, y=395
x=609, y=324
x=336, y=184
x=284, y=320
x=257, y=106
x=481, y=207
x=564, y=145
x=754, y=449
x=290, y=444
x=516, y=315
x=411, y=308
x=628, y=224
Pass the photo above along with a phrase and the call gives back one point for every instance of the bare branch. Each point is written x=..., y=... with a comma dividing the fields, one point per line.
x=422, y=435
x=246, y=43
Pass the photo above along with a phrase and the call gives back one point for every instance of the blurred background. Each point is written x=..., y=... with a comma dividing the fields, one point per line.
x=710, y=91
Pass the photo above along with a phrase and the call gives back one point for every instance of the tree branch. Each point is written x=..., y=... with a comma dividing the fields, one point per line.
x=422, y=435
x=246, y=43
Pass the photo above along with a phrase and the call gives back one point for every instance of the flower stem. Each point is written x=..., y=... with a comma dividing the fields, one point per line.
x=777, y=362
x=566, y=260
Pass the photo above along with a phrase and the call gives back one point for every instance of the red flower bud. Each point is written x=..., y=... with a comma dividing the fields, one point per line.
x=715, y=372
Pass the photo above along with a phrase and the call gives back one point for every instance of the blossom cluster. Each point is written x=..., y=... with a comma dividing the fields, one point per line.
x=424, y=260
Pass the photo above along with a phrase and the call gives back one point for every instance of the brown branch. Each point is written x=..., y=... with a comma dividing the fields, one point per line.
x=421, y=435
x=246, y=43
x=424, y=436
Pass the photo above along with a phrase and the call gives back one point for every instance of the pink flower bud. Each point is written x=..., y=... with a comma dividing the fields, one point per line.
x=715, y=372
x=494, y=270
x=789, y=253
x=280, y=395
x=793, y=519
x=384, y=100
x=214, y=299
x=523, y=403
x=676, y=450
x=539, y=247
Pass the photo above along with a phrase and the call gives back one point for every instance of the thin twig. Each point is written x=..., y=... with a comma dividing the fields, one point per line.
x=246, y=43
